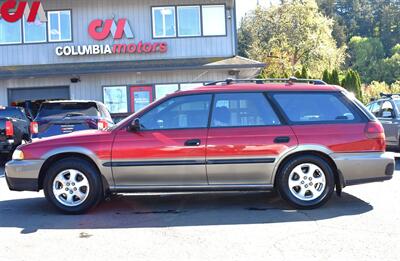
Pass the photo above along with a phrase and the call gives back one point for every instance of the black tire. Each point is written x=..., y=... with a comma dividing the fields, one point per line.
x=95, y=194
x=282, y=182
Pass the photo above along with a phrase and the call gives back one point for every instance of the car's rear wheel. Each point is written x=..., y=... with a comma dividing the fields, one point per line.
x=73, y=186
x=306, y=182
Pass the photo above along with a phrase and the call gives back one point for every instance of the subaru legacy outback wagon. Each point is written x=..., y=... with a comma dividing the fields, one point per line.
x=303, y=140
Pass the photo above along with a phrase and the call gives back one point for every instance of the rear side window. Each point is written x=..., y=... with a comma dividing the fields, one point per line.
x=242, y=110
x=61, y=110
x=316, y=107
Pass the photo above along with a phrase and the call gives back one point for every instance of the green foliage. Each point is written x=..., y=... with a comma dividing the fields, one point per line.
x=373, y=90
x=289, y=37
x=326, y=77
x=335, y=77
x=304, y=73
x=352, y=83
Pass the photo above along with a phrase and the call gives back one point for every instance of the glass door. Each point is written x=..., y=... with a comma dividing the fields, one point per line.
x=141, y=96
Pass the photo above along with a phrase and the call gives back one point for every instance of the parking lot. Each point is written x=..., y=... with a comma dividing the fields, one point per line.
x=362, y=225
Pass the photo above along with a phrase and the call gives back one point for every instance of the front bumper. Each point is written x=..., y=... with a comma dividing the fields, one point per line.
x=360, y=168
x=23, y=175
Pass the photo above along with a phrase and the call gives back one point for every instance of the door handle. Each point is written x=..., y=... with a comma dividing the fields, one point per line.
x=193, y=143
x=280, y=140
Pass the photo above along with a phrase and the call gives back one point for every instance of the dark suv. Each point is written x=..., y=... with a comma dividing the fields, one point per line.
x=63, y=117
x=302, y=140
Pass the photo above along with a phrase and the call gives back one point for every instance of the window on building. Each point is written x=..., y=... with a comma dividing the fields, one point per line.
x=116, y=99
x=59, y=26
x=34, y=32
x=214, y=21
x=163, y=90
x=189, y=21
x=10, y=33
x=182, y=112
x=190, y=86
x=164, y=22
x=243, y=109
x=315, y=107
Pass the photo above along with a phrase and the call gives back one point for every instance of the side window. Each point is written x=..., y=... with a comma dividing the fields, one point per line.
x=315, y=107
x=374, y=108
x=184, y=112
x=387, y=110
x=242, y=109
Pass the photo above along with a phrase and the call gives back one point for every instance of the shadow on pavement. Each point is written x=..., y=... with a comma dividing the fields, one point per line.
x=34, y=214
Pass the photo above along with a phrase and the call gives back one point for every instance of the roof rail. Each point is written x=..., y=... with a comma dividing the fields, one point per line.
x=388, y=95
x=290, y=80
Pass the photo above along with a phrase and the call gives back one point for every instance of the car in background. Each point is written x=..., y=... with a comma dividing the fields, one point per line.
x=303, y=140
x=14, y=129
x=387, y=110
x=63, y=117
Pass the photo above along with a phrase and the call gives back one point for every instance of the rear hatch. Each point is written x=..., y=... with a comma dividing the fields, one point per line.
x=63, y=118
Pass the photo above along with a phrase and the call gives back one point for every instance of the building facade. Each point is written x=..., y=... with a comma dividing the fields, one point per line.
x=125, y=53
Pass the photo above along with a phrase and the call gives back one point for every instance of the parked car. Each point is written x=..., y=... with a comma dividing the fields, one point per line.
x=14, y=129
x=386, y=109
x=302, y=140
x=62, y=117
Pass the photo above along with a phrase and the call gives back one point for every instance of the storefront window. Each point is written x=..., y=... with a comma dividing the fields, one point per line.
x=163, y=90
x=214, y=22
x=10, y=33
x=189, y=21
x=190, y=86
x=164, y=22
x=34, y=32
x=60, y=26
x=116, y=99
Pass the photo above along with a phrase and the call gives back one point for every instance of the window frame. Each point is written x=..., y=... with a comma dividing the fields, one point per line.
x=153, y=24
x=359, y=117
x=49, y=40
x=200, y=21
x=35, y=42
x=177, y=24
x=21, y=35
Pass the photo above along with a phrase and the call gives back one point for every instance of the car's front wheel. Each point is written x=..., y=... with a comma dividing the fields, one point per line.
x=73, y=186
x=306, y=182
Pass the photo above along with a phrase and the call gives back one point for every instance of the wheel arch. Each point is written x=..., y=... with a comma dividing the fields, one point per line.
x=322, y=153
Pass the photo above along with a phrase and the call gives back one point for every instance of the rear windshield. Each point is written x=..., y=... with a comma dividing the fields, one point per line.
x=11, y=113
x=62, y=110
x=316, y=107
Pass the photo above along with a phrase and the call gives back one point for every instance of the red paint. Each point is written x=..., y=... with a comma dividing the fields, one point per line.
x=12, y=13
x=100, y=31
x=136, y=89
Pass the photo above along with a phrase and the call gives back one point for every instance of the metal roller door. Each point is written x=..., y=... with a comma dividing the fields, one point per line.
x=35, y=94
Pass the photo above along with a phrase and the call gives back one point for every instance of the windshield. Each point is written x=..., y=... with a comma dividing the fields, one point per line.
x=11, y=113
x=62, y=110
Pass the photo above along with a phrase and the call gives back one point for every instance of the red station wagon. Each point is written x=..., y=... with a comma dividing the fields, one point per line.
x=301, y=139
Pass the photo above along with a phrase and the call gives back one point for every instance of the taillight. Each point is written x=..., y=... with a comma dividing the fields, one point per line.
x=102, y=124
x=374, y=130
x=9, y=129
x=34, y=127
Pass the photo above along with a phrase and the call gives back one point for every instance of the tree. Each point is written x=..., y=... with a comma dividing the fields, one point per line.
x=326, y=77
x=335, y=77
x=289, y=37
x=304, y=73
x=352, y=83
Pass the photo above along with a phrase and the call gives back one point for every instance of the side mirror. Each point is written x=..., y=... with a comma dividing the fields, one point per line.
x=135, y=125
x=387, y=114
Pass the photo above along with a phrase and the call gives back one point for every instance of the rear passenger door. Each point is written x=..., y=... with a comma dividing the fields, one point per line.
x=244, y=139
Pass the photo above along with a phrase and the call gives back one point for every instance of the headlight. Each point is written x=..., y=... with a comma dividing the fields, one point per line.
x=18, y=155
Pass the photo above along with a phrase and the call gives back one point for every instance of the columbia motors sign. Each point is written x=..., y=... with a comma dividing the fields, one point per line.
x=101, y=30
x=13, y=11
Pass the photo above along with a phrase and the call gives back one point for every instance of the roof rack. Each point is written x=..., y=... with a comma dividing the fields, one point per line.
x=290, y=80
x=388, y=95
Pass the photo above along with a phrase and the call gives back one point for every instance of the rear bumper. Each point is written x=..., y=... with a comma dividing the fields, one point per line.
x=6, y=146
x=23, y=175
x=360, y=168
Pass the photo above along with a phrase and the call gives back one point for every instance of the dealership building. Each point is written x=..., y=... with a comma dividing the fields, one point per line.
x=125, y=53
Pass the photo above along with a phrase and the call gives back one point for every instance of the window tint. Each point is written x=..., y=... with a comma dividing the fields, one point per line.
x=34, y=32
x=242, y=109
x=387, y=110
x=314, y=107
x=179, y=113
x=61, y=110
x=374, y=108
x=164, y=22
x=59, y=26
x=189, y=21
x=214, y=23
x=12, y=113
x=10, y=33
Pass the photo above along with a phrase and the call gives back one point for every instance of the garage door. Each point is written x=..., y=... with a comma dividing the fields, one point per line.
x=34, y=94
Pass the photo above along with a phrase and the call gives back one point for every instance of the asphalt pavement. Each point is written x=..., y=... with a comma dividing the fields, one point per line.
x=364, y=224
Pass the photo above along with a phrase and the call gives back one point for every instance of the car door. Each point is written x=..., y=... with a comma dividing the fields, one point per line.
x=388, y=118
x=244, y=140
x=169, y=149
